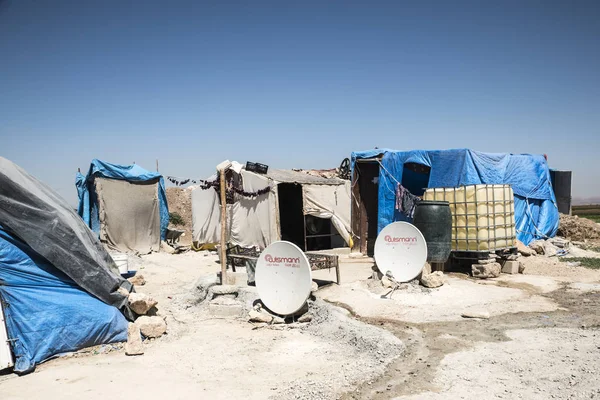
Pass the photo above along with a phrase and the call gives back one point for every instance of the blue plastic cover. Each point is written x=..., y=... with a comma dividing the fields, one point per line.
x=88, y=202
x=536, y=213
x=46, y=312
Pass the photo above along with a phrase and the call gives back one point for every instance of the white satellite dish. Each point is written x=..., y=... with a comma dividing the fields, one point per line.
x=401, y=249
x=283, y=278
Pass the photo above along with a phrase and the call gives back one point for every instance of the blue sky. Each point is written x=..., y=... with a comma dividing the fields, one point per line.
x=295, y=84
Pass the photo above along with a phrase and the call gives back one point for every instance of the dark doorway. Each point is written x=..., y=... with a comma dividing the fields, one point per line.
x=291, y=216
x=415, y=178
x=365, y=207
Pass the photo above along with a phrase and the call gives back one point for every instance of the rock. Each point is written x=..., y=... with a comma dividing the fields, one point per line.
x=559, y=242
x=278, y=320
x=510, y=267
x=122, y=291
x=524, y=250
x=550, y=250
x=537, y=246
x=486, y=271
x=151, y=327
x=141, y=303
x=386, y=282
x=166, y=248
x=521, y=268
x=513, y=257
x=426, y=269
x=313, y=286
x=137, y=280
x=258, y=316
x=433, y=280
x=134, y=346
x=484, y=261
x=476, y=314
x=305, y=318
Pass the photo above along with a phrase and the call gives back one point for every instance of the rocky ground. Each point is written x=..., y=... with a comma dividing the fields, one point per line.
x=537, y=337
x=180, y=202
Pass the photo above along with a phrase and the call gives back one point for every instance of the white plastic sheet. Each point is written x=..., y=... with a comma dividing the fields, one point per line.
x=329, y=202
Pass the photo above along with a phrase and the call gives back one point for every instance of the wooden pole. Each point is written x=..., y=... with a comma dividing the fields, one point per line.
x=223, y=227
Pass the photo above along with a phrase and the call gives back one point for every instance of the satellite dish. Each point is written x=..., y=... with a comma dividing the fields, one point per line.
x=401, y=249
x=283, y=278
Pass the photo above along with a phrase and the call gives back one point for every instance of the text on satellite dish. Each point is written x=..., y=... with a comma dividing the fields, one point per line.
x=289, y=261
x=393, y=239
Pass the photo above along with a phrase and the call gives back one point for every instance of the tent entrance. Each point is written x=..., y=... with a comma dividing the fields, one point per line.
x=365, y=192
x=129, y=215
x=415, y=178
x=291, y=215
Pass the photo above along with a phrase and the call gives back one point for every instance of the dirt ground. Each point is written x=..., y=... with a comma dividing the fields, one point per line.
x=180, y=202
x=541, y=341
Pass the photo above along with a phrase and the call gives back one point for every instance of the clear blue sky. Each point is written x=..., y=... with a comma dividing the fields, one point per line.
x=295, y=84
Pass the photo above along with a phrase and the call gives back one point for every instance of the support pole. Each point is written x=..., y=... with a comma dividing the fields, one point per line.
x=223, y=227
x=157, y=165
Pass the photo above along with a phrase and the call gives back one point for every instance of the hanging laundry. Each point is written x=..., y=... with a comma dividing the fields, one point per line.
x=406, y=202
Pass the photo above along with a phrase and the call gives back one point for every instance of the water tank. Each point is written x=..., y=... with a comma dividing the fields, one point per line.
x=561, y=183
x=434, y=220
x=483, y=216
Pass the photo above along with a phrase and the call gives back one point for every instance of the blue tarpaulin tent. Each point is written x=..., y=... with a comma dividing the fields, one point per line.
x=59, y=288
x=88, y=202
x=536, y=213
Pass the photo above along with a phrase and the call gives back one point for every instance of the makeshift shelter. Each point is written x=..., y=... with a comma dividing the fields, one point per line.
x=376, y=174
x=310, y=211
x=125, y=205
x=60, y=290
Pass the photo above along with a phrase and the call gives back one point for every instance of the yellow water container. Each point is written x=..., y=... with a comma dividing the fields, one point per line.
x=483, y=216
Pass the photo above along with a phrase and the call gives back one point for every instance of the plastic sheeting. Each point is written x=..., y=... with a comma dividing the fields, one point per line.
x=536, y=214
x=46, y=312
x=329, y=202
x=46, y=223
x=88, y=203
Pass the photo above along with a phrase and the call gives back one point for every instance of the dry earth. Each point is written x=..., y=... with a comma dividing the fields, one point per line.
x=541, y=341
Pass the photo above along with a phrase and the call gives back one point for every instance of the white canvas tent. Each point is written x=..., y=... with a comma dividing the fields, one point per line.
x=280, y=214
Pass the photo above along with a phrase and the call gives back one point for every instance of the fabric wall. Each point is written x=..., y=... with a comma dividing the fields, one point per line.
x=129, y=215
x=255, y=221
x=528, y=175
x=46, y=311
x=206, y=216
x=329, y=202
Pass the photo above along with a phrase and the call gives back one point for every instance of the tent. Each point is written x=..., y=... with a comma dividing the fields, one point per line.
x=60, y=290
x=310, y=211
x=536, y=213
x=125, y=205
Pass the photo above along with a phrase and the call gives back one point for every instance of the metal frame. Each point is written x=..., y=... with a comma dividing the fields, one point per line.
x=492, y=240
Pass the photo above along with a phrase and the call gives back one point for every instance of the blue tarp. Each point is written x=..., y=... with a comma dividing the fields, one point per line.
x=46, y=312
x=88, y=202
x=536, y=213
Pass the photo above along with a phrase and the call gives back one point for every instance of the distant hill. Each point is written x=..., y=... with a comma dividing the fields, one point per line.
x=582, y=201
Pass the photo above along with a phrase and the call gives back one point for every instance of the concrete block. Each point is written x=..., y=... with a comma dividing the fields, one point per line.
x=486, y=271
x=225, y=307
x=510, y=267
x=236, y=278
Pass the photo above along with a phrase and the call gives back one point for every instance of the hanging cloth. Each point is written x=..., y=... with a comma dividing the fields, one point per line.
x=406, y=202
